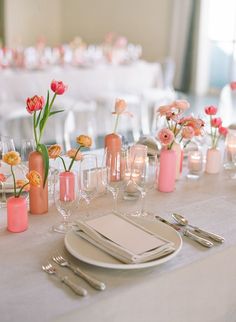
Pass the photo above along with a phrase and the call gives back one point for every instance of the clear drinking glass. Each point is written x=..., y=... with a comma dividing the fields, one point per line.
x=27, y=146
x=65, y=197
x=88, y=177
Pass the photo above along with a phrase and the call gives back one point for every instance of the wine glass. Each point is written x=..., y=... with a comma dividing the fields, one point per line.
x=112, y=175
x=6, y=145
x=65, y=198
x=88, y=177
x=27, y=146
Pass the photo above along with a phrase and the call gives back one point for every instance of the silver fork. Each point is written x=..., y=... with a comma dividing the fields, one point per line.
x=91, y=280
x=64, y=279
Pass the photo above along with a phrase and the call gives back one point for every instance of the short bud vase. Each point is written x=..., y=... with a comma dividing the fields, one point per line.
x=213, y=161
x=67, y=186
x=17, y=214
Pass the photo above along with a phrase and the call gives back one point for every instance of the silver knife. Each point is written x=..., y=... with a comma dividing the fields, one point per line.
x=187, y=233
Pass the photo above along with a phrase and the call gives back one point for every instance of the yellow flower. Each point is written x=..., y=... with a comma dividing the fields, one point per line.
x=84, y=141
x=71, y=154
x=34, y=178
x=54, y=151
x=12, y=158
x=20, y=183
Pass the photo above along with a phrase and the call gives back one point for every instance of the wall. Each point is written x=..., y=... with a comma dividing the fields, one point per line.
x=145, y=22
x=28, y=20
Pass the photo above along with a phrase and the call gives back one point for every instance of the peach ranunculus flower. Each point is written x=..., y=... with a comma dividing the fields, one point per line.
x=84, y=141
x=58, y=87
x=34, y=178
x=187, y=132
x=74, y=154
x=166, y=137
x=3, y=178
x=12, y=158
x=181, y=105
x=23, y=184
x=120, y=108
x=164, y=110
x=34, y=103
x=54, y=151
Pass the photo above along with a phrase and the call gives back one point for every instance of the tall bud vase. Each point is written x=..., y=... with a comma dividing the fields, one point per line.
x=167, y=171
x=38, y=196
x=179, y=159
x=113, y=148
x=213, y=161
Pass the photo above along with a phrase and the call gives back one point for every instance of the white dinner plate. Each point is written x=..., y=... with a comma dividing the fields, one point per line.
x=88, y=253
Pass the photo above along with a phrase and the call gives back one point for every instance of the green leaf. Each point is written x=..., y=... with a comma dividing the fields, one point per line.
x=38, y=118
x=45, y=114
x=55, y=112
x=44, y=152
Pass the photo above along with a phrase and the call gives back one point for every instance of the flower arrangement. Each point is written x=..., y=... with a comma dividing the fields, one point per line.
x=13, y=158
x=41, y=113
x=54, y=151
x=178, y=128
x=120, y=108
x=216, y=129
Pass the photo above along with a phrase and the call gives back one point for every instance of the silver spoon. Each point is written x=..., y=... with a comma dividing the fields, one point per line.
x=184, y=222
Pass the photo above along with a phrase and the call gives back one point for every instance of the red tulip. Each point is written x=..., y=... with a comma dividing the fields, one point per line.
x=58, y=87
x=216, y=122
x=34, y=103
x=211, y=110
x=233, y=85
x=223, y=130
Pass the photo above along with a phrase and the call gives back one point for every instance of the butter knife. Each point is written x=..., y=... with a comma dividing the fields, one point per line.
x=186, y=232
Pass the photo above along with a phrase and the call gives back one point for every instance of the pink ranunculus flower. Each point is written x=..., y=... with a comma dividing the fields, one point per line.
x=165, y=136
x=180, y=105
x=164, y=110
x=223, y=130
x=211, y=110
x=58, y=87
x=216, y=122
x=2, y=177
x=34, y=103
x=187, y=132
x=233, y=86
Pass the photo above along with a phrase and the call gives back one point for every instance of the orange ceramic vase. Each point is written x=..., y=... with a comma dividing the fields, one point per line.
x=113, y=152
x=38, y=196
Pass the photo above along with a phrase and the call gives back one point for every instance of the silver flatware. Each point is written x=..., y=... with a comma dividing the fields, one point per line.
x=186, y=232
x=184, y=222
x=91, y=280
x=64, y=279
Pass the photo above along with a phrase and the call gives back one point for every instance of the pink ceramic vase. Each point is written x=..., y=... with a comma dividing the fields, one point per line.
x=179, y=159
x=213, y=161
x=167, y=171
x=17, y=214
x=67, y=186
x=38, y=196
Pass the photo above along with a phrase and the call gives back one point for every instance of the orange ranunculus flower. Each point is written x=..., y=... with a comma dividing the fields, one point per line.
x=71, y=154
x=84, y=141
x=20, y=183
x=12, y=158
x=34, y=103
x=34, y=178
x=54, y=151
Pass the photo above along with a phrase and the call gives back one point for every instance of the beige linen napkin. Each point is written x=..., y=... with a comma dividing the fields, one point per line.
x=124, y=239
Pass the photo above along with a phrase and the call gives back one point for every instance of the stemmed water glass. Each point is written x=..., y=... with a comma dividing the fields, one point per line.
x=65, y=197
x=27, y=146
x=88, y=177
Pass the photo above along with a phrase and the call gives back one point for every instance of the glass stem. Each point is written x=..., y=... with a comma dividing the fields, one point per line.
x=143, y=195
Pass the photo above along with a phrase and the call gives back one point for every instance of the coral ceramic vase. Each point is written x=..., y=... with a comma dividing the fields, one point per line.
x=179, y=159
x=38, y=196
x=113, y=154
x=67, y=186
x=213, y=161
x=17, y=214
x=167, y=171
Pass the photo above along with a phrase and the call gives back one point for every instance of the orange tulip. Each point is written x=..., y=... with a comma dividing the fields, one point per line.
x=12, y=158
x=34, y=178
x=54, y=151
x=84, y=141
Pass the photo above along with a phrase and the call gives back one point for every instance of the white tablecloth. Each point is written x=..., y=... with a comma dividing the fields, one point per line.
x=199, y=284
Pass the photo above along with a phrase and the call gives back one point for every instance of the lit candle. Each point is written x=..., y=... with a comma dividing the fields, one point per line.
x=195, y=161
x=230, y=150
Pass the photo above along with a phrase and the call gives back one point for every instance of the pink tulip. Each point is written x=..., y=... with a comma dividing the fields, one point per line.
x=223, y=130
x=58, y=87
x=211, y=110
x=34, y=103
x=187, y=132
x=216, y=122
x=165, y=136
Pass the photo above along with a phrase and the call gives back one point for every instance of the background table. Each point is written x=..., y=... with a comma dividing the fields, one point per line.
x=199, y=284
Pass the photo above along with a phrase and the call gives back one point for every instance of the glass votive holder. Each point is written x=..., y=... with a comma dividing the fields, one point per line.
x=195, y=164
x=230, y=150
